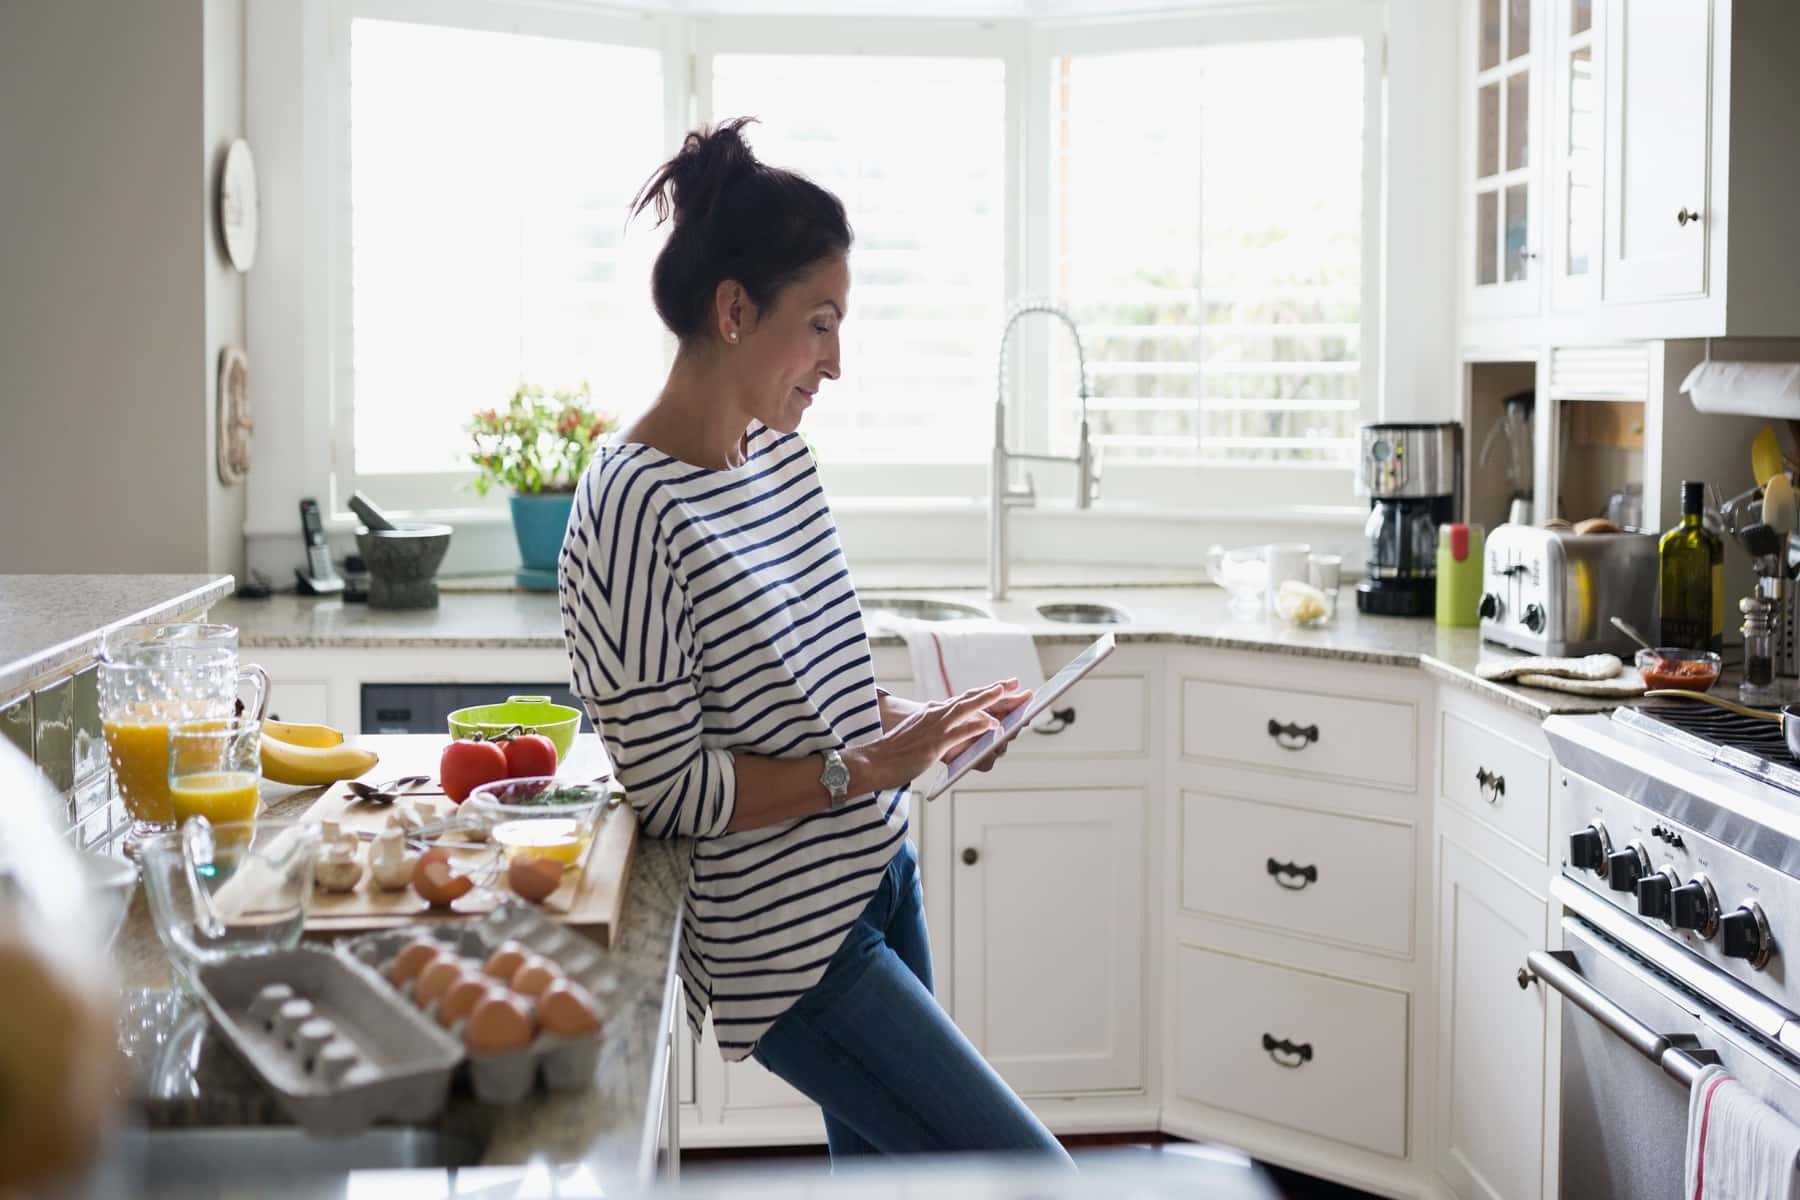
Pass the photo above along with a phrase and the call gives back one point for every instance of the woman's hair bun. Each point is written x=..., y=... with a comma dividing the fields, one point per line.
x=688, y=185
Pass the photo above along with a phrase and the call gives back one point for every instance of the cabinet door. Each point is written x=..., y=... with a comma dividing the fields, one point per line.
x=1579, y=163
x=1049, y=935
x=1501, y=158
x=1491, y=1032
x=1658, y=96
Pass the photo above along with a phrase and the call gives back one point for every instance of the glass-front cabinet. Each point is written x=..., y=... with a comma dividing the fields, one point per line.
x=1579, y=161
x=1504, y=241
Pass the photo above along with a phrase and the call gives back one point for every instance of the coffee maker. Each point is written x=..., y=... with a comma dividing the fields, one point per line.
x=1412, y=474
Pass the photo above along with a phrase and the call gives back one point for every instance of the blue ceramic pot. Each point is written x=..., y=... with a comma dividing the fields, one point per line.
x=538, y=523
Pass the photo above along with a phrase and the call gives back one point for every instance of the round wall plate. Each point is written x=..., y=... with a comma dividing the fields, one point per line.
x=237, y=205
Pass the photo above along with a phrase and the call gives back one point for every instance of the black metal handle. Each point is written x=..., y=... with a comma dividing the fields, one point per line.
x=1299, y=1053
x=1492, y=784
x=1291, y=736
x=970, y=855
x=1307, y=874
x=1062, y=718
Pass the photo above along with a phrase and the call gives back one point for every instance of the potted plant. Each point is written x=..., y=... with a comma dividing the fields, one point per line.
x=537, y=447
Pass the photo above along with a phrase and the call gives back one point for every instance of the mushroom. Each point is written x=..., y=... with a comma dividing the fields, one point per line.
x=389, y=861
x=338, y=867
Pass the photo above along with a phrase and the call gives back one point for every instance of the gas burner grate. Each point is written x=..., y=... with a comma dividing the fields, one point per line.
x=1754, y=747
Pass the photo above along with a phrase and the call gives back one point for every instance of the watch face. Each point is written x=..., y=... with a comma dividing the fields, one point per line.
x=837, y=775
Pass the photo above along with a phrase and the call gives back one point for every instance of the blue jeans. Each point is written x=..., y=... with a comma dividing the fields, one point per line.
x=870, y=1045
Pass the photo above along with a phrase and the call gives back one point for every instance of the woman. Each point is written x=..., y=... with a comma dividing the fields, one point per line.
x=715, y=638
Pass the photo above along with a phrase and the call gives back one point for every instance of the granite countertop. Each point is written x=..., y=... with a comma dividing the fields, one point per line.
x=1178, y=615
x=184, y=1075
x=50, y=621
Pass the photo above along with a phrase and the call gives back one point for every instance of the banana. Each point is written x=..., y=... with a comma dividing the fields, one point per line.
x=321, y=737
x=312, y=766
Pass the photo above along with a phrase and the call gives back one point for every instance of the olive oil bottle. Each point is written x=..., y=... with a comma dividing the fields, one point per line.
x=1692, y=578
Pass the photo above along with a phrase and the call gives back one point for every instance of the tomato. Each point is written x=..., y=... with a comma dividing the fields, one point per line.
x=465, y=766
x=530, y=754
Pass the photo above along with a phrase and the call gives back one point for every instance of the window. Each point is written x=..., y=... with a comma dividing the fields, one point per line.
x=489, y=178
x=1208, y=233
x=916, y=149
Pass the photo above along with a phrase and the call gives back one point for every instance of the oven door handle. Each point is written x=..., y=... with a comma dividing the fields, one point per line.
x=1679, y=1057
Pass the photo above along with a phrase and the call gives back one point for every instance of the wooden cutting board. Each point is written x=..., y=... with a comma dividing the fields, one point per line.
x=593, y=898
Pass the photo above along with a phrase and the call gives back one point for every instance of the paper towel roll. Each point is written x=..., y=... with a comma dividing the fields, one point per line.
x=1750, y=389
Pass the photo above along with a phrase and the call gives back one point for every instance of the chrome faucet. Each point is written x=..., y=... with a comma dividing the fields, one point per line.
x=1001, y=493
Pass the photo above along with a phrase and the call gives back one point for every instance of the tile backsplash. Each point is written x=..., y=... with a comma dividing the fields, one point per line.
x=57, y=724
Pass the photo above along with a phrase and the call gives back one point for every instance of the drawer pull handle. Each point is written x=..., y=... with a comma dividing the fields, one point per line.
x=1292, y=736
x=1287, y=1054
x=1060, y=719
x=1492, y=784
x=1307, y=874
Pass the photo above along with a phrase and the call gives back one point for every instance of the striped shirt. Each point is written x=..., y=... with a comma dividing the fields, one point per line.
x=711, y=612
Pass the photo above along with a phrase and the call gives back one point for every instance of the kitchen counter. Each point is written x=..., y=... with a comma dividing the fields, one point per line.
x=186, y=1077
x=1172, y=615
x=50, y=621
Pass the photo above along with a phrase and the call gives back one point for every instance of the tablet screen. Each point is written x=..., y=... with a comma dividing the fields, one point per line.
x=1020, y=717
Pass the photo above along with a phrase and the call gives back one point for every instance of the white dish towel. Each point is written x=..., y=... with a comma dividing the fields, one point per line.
x=949, y=657
x=1738, y=1148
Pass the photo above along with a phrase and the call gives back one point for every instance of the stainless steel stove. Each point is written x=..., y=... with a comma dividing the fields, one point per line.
x=1679, y=830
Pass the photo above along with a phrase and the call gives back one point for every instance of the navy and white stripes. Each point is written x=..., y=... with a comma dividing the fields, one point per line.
x=711, y=612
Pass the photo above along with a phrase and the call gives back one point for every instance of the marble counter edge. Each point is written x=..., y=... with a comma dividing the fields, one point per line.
x=20, y=673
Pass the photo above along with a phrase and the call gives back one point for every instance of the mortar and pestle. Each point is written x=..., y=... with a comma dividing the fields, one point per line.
x=402, y=558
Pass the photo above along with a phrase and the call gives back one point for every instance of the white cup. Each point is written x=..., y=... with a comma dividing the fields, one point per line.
x=1323, y=571
x=1287, y=560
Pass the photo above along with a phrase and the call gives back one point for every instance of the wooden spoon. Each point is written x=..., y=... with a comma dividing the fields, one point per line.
x=1743, y=710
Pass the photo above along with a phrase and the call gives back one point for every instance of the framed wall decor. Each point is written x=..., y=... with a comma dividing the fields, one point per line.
x=237, y=205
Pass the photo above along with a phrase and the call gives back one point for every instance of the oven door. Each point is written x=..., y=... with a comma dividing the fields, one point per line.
x=1632, y=1042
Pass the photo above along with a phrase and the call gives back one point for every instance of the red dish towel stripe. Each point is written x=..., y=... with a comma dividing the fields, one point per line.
x=943, y=668
x=1705, y=1117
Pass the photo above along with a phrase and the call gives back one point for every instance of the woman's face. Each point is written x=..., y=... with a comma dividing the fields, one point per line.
x=788, y=348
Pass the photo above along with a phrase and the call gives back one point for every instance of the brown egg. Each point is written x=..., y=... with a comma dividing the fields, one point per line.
x=534, y=878
x=436, y=880
x=567, y=1008
x=460, y=998
x=505, y=961
x=436, y=979
x=534, y=976
x=500, y=1022
x=414, y=957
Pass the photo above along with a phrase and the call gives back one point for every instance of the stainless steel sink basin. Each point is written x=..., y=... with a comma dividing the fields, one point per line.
x=274, y=1159
x=921, y=608
x=1083, y=614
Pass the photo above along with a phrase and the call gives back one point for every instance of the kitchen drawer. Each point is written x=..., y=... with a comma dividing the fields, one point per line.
x=1339, y=878
x=1307, y=1051
x=1497, y=780
x=1107, y=715
x=1345, y=737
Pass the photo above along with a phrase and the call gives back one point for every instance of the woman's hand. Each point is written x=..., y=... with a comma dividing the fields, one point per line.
x=922, y=738
x=1013, y=697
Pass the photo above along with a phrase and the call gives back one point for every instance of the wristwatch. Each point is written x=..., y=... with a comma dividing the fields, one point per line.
x=836, y=778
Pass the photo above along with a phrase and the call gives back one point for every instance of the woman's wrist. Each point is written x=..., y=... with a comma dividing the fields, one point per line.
x=866, y=774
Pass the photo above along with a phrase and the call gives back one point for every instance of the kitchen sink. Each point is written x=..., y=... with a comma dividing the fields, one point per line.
x=1083, y=614
x=273, y=1159
x=920, y=608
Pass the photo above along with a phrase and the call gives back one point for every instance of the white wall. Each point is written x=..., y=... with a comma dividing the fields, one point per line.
x=106, y=292
x=222, y=122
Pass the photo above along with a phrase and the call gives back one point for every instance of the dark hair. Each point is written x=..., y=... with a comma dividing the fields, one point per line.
x=734, y=218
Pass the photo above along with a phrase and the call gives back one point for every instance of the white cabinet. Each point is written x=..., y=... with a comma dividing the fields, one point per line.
x=1048, y=929
x=1503, y=242
x=1658, y=76
x=1492, y=1048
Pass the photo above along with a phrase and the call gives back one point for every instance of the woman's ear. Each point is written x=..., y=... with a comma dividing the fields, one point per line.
x=733, y=313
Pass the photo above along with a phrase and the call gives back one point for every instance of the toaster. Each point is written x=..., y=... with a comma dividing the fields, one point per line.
x=1553, y=592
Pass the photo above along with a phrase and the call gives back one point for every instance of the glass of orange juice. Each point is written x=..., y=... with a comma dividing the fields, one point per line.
x=214, y=766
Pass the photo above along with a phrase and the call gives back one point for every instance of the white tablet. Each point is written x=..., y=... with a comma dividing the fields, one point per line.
x=1024, y=715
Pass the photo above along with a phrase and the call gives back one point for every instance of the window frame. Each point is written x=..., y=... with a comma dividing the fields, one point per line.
x=1028, y=48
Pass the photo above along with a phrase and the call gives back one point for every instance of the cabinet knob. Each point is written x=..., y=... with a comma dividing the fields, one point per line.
x=1525, y=977
x=1684, y=216
x=971, y=855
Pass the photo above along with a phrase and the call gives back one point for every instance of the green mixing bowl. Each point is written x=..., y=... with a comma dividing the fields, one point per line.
x=557, y=722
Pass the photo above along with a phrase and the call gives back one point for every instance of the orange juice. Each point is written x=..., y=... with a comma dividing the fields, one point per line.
x=559, y=838
x=137, y=742
x=216, y=795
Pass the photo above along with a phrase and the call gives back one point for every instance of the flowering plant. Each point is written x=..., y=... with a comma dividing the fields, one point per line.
x=540, y=442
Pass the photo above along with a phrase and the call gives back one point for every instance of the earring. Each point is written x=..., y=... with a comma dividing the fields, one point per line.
x=732, y=336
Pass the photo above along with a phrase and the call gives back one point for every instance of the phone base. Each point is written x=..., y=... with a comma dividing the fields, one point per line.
x=308, y=585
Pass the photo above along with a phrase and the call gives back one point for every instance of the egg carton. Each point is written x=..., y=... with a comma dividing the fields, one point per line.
x=564, y=1063
x=328, y=1037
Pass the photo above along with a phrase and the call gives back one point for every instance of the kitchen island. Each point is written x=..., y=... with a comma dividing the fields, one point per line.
x=187, y=1079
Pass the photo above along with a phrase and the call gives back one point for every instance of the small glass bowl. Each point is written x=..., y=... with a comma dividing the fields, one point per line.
x=1684, y=670
x=540, y=816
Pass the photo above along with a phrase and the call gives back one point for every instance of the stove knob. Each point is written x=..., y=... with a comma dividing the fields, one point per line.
x=1653, y=894
x=1491, y=607
x=1588, y=849
x=1625, y=867
x=1746, y=934
x=1534, y=617
x=1695, y=906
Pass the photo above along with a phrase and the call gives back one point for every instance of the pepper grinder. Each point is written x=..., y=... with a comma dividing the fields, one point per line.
x=1758, y=685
